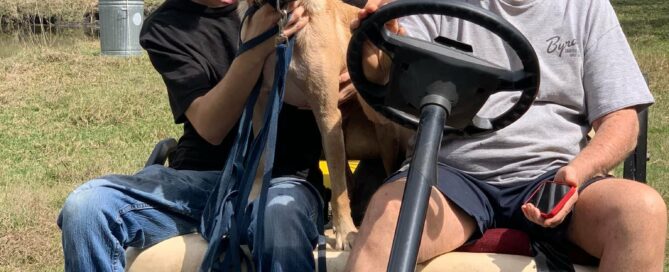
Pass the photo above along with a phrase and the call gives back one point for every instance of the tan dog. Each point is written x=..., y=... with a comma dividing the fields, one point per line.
x=319, y=57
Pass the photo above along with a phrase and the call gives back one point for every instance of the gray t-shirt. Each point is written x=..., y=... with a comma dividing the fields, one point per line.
x=587, y=71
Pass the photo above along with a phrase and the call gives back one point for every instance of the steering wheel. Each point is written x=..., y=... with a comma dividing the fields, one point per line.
x=446, y=68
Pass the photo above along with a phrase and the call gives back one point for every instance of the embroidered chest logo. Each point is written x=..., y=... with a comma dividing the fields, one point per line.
x=558, y=46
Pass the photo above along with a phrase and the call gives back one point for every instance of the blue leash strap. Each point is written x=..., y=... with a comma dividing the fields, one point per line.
x=223, y=220
x=284, y=54
x=265, y=141
x=223, y=213
x=215, y=225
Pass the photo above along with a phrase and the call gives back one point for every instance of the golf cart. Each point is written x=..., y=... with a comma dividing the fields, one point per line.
x=434, y=105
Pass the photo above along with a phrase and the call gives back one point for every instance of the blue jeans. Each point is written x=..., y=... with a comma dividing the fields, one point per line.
x=104, y=216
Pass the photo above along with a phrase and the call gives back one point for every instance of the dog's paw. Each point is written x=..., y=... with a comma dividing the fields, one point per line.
x=344, y=238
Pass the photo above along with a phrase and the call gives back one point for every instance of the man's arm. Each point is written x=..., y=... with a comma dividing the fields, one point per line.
x=216, y=112
x=615, y=137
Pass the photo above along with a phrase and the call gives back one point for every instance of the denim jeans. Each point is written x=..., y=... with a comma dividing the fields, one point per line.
x=106, y=215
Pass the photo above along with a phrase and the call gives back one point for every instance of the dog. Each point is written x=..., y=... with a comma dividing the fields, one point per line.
x=319, y=58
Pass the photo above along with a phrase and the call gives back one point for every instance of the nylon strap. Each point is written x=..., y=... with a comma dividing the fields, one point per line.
x=223, y=220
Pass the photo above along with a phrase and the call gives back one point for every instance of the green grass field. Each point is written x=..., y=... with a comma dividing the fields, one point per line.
x=646, y=24
x=68, y=114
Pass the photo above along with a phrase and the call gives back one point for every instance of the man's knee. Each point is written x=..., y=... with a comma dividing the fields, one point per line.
x=386, y=202
x=639, y=200
x=653, y=202
x=613, y=216
x=623, y=203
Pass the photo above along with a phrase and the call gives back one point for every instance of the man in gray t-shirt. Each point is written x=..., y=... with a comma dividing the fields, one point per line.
x=589, y=79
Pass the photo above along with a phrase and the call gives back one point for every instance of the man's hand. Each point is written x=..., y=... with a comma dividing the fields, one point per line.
x=376, y=64
x=567, y=175
x=267, y=17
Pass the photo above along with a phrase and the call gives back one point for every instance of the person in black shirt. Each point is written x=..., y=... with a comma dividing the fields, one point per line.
x=192, y=44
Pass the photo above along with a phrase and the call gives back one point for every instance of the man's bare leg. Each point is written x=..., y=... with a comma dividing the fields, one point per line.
x=622, y=222
x=447, y=227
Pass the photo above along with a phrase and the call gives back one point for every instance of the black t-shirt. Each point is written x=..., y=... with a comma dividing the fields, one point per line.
x=192, y=47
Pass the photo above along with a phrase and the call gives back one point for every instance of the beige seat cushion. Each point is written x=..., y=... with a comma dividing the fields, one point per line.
x=180, y=253
x=185, y=253
x=484, y=262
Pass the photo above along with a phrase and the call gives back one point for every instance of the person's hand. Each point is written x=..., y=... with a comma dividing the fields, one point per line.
x=267, y=17
x=375, y=64
x=566, y=175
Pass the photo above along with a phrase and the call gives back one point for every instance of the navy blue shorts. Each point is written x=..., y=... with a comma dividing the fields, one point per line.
x=495, y=206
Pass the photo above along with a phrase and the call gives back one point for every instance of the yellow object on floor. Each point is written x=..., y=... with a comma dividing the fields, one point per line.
x=326, y=173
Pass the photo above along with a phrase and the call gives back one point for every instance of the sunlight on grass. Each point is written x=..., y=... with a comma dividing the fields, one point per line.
x=67, y=115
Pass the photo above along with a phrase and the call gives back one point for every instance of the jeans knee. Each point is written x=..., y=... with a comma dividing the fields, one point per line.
x=284, y=210
x=84, y=207
x=290, y=224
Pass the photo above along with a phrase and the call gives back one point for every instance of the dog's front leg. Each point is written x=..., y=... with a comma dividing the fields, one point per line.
x=330, y=124
x=322, y=90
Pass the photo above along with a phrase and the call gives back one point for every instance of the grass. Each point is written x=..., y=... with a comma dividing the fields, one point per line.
x=645, y=24
x=68, y=114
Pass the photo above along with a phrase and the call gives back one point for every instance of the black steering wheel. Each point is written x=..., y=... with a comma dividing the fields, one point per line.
x=443, y=67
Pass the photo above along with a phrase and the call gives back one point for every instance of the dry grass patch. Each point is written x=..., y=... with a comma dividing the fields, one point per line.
x=29, y=237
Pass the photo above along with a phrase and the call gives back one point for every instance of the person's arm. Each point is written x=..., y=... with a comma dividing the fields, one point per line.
x=614, y=90
x=615, y=137
x=216, y=112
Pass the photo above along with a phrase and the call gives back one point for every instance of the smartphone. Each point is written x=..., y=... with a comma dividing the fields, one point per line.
x=550, y=197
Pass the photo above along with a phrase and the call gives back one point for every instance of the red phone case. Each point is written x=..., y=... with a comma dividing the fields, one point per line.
x=557, y=207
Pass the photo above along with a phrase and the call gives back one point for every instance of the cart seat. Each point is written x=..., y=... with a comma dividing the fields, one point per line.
x=185, y=253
